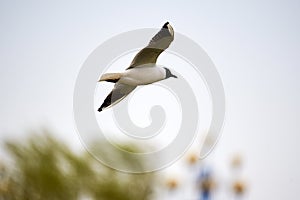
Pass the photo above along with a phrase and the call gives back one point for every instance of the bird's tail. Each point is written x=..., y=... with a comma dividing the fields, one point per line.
x=111, y=77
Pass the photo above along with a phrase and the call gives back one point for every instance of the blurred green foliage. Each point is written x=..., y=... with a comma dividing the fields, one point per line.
x=44, y=168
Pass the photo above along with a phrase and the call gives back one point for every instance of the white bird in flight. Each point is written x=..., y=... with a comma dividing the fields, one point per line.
x=142, y=70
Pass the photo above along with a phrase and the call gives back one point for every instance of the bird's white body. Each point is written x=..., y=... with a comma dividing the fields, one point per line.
x=142, y=75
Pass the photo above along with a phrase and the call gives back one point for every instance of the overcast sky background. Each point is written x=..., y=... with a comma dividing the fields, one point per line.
x=255, y=46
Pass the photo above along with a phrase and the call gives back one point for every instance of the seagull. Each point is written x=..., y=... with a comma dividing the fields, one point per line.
x=143, y=69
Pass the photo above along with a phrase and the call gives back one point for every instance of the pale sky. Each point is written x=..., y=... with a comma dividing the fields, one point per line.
x=254, y=44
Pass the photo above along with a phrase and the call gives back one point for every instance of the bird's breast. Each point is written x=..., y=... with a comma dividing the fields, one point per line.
x=143, y=76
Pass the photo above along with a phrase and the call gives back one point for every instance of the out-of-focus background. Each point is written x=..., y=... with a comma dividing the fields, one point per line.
x=255, y=47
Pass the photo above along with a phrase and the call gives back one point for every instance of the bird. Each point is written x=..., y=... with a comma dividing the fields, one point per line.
x=143, y=69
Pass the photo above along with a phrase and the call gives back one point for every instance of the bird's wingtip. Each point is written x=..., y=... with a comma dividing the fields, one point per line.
x=166, y=25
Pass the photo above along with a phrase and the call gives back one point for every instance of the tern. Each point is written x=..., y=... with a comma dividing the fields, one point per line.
x=143, y=69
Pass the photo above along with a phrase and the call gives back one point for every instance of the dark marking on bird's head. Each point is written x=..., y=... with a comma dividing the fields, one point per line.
x=166, y=25
x=169, y=74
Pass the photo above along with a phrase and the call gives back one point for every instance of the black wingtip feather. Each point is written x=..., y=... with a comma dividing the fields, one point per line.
x=166, y=25
x=107, y=102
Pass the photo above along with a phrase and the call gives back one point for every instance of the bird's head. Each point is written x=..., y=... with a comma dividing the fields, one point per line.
x=169, y=73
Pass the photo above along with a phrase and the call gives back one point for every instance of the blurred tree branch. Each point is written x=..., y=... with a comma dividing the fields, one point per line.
x=47, y=169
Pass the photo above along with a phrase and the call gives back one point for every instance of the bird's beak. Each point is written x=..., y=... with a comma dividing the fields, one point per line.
x=174, y=76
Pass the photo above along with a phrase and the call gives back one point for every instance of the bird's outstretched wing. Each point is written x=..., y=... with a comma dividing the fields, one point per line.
x=156, y=46
x=119, y=92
